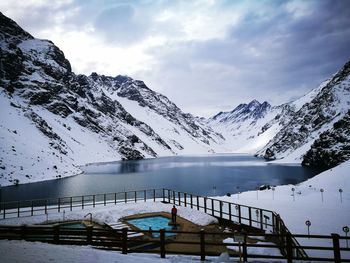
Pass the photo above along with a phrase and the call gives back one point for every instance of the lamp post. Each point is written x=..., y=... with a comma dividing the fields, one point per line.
x=322, y=190
x=346, y=231
x=308, y=224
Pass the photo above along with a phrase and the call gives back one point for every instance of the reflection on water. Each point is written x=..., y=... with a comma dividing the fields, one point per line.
x=196, y=174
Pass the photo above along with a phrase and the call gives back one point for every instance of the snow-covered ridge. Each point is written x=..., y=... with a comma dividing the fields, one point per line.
x=53, y=120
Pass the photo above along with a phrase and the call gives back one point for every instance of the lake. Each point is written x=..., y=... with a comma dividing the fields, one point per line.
x=203, y=174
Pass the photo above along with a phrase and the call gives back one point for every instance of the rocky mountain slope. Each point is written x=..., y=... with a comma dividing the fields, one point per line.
x=312, y=129
x=53, y=120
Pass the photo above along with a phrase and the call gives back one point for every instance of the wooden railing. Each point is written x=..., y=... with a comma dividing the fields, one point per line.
x=253, y=217
x=200, y=243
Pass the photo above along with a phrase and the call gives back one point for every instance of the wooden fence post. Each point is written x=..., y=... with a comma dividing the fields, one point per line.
x=174, y=197
x=18, y=205
x=46, y=206
x=89, y=234
x=82, y=202
x=179, y=196
x=115, y=198
x=135, y=196
x=212, y=207
x=93, y=200
x=125, y=241
x=205, y=204
x=336, y=248
x=250, y=216
x=163, y=192
x=23, y=232
x=197, y=202
x=32, y=211
x=244, y=249
x=220, y=203
x=289, y=248
x=162, y=243
x=191, y=201
x=230, y=212
x=239, y=214
x=185, y=198
x=154, y=195
x=168, y=196
x=202, y=244
x=71, y=203
x=126, y=196
x=56, y=234
x=104, y=199
x=261, y=220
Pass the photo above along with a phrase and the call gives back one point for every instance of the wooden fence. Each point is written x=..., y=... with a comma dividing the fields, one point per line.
x=199, y=244
x=237, y=214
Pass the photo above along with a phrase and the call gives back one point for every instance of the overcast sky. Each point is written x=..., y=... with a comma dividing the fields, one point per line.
x=206, y=56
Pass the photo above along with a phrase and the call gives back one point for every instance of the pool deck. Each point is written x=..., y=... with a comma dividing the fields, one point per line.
x=185, y=225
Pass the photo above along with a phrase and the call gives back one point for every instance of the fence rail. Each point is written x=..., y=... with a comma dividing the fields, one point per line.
x=200, y=244
x=253, y=217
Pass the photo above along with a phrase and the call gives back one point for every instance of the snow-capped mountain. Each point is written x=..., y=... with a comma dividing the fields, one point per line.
x=317, y=120
x=249, y=127
x=52, y=119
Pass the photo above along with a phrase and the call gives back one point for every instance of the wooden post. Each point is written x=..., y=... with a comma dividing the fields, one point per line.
x=202, y=244
x=250, y=216
x=89, y=234
x=174, y=197
x=163, y=192
x=71, y=203
x=82, y=202
x=191, y=201
x=289, y=248
x=126, y=197
x=168, y=196
x=185, y=197
x=162, y=243
x=144, y=195
x=93, y=200
x=56, y=234
x=104, y=199
x=239, y=214
x=229, y=211
x=115, y=198
x=135, y=197
x=125, y=241
x=4, y=215
x=212, y=207
x=18, y=205
x=205, y=204
x=244, y=248
x=179, y=196
x=197, y=202
x=32, y=212
x=261, y=219
x=220, y=203
x=46, y=206
x=336, y=248
x=154, y=195
x=23, y=232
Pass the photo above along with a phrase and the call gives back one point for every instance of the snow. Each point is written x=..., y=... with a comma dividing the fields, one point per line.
x=111, y=214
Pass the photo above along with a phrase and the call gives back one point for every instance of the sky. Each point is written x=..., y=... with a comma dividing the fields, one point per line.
x=206, y=56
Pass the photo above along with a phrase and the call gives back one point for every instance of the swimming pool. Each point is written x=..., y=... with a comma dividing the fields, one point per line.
x=155, y=222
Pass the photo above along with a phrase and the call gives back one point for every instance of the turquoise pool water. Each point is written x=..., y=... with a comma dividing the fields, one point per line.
x=155, y=222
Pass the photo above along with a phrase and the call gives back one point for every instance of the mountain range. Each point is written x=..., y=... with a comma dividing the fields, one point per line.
x=53, y=120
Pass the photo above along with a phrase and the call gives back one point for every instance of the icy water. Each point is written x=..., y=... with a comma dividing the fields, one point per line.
x=203, y=175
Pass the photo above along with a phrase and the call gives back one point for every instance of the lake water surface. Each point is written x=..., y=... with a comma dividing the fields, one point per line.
x=203, y=175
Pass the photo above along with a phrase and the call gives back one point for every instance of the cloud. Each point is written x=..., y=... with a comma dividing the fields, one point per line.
x=206, y=56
